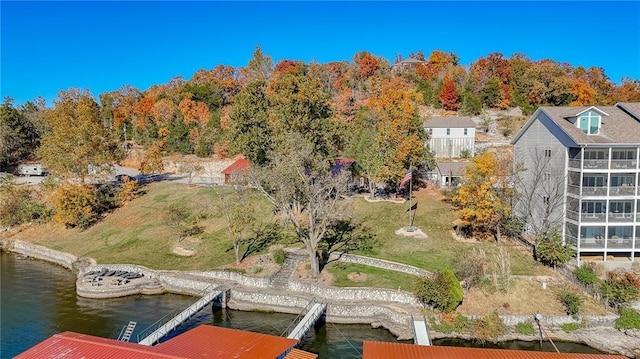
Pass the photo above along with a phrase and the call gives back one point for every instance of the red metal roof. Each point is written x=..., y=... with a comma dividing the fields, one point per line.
x=300, y=354
x=204, y=341
x=218, y=342
x=69, y=345
x=381, y=350
x=239, y=165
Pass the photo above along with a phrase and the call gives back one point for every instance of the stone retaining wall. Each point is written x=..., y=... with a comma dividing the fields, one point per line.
x=379, y=263
x=555, y=321
x=35, y=251
x=256, y=282
x=355, y=294
x=176, y=284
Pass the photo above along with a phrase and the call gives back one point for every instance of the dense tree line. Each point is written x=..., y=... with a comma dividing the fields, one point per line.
x=249, y=110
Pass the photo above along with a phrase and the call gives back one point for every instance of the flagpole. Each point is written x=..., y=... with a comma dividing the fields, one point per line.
x=410, y=190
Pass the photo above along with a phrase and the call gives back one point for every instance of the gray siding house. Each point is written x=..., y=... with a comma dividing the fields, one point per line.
x=449, y=136
x=579, y=174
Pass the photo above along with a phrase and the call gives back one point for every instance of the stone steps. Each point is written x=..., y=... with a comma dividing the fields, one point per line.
x=154, y=287
x=281, y=278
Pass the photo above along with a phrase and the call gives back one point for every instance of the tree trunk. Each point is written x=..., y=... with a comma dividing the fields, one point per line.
x=236, y=250
x=315, y=265
x=498, y=233
x=371, y=188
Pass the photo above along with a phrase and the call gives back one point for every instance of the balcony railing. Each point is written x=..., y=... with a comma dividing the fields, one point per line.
x=619, y=243
x=621, y=217
x=573, y=215
x=574, y=163
x=596, y=164
x=573, y=189
x=591, y=243
x=623, y=164
x=593, y=217
x=622, y=191
x=594, y=191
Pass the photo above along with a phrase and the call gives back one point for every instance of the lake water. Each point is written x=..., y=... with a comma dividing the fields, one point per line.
x=38, y=299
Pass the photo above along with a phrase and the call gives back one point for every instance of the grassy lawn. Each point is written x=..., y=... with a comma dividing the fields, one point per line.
x=367, y=276
x=140, y=233
x=440, y=250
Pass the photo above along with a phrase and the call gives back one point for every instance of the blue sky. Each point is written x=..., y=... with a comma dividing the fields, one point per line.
x=101, y=46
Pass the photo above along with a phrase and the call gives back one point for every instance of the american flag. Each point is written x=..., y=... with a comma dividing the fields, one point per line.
x=406, y=178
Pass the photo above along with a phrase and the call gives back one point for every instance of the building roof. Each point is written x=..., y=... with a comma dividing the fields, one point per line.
x=617, y=125
x=382, y=350
x=218, y=342
x=239, y=165
x=449, y=122
x=456, y=169
x=203, y=341
x=300, y=354
x=633, y=108
x=70, y=345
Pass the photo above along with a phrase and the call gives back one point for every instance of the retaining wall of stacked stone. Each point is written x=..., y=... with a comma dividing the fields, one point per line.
x=380, y=263
x=256, y=282
x=35, y=251
x=355, y=294
x=555, y=321
x=176, y=284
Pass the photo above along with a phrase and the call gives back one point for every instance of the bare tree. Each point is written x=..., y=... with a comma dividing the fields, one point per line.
x=540, y=192
x=306, y=190
x=238, y=214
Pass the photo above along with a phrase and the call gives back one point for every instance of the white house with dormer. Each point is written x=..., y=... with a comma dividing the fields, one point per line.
x=450, y=137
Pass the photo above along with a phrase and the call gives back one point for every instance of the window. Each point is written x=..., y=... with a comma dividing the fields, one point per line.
x=465, y=131
x=596, y=155
x=545, y=200
x=448, y=131
x=589, y=123
x=547, y=176
x=547, y=153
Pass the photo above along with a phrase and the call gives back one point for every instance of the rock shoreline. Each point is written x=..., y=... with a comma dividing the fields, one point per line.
x=392, y=310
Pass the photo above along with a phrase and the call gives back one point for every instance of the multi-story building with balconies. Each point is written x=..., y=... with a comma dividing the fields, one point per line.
x=581, y=167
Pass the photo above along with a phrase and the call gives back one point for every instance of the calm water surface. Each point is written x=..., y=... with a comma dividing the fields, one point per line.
x=38, y=299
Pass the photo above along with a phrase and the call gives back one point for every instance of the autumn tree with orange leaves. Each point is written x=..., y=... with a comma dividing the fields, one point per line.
x=449, y=95
x=399, y=131
x=484, y=197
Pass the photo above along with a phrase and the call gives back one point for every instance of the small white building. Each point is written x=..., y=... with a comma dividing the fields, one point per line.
x=450, y=136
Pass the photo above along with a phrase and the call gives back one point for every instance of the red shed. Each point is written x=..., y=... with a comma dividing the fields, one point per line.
x=236, y=171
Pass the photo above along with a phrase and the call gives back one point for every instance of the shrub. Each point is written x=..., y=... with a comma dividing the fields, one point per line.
x=75, y=205
x=525, y=328
x=629, y=319
x=442, y=292
x=551, y=251
x=490, y=326
x=586, y=275
x=620, y=288
x=278, y=256
x=572, y=302
x=19, y=205
x=569, y=327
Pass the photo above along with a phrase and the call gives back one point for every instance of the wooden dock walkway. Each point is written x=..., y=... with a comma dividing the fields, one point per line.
x=180, y=318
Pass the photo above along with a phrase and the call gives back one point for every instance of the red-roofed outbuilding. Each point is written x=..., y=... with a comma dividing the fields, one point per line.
x=235, y=171
x=204, y=341
x=383, y=350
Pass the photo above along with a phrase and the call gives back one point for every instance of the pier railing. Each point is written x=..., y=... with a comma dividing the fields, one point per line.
x=146, y=333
